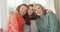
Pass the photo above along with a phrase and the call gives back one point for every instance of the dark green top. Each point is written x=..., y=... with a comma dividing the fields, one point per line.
x=47, y=23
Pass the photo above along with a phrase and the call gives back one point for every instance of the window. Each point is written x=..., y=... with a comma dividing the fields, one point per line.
x=11, y=6
x=14, y=3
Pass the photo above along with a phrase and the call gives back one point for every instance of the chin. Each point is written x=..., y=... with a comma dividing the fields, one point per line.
x=38, y=14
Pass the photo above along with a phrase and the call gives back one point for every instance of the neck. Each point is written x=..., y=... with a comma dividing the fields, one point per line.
x=41, y=15
x=20, y=14
x=29, y=15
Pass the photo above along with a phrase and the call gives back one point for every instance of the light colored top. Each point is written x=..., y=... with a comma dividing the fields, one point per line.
x=33, y=26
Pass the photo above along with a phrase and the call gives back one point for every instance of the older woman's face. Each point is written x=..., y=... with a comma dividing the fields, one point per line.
x=23, y=10
x=30, y=10
x=38, y=10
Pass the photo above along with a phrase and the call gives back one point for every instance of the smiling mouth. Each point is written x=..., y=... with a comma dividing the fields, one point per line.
x=29, y=12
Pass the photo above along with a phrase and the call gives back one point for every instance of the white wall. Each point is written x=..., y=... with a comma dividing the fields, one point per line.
x=4, y=13
x=0, y=16
x=26, y=1
x=50, y=5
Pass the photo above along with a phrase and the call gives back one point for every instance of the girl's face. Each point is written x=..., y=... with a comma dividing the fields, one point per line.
x=23, y=10
x=38, y=10
x=30, y=10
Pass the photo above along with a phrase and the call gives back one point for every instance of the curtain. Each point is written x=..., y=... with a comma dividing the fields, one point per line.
x=0, y=16
x=57, y=8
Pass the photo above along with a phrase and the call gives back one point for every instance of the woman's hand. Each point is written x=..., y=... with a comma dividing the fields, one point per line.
x=48, y=11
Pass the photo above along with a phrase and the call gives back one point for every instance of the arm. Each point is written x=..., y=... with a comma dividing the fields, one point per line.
x=13, y=24
x=53, y=22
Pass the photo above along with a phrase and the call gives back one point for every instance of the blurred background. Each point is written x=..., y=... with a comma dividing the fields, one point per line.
x=7, y=7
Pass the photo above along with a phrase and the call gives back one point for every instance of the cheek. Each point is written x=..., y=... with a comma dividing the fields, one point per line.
x=36, y=12
x=21, y=11
x=41, y=12
x=24, y=11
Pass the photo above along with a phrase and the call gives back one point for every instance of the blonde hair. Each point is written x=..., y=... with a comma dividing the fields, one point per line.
x=42, y=7
x=39, y=5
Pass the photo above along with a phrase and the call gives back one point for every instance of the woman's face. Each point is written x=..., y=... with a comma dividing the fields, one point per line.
x=30, y=10
x=23, y=10
x=38, y=10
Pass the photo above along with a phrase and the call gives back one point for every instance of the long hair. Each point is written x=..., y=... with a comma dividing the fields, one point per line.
x=26, y=16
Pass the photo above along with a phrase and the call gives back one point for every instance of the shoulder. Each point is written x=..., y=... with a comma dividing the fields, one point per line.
x=49, y=12
x=12, y=16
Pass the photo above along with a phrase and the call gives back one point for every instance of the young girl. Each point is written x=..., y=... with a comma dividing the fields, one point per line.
x=46, y=22
x=16, y=20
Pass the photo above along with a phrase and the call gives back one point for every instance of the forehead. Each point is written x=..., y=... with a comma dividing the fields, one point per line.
x=37, y=6
x=30, y=7
x=24, y=6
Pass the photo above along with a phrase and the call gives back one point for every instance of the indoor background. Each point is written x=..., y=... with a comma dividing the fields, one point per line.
x=8, y=6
